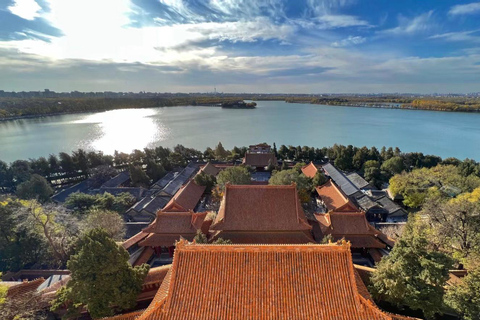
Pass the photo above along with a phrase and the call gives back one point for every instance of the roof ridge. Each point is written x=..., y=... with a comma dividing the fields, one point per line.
x=183, y=244
x=253, y=186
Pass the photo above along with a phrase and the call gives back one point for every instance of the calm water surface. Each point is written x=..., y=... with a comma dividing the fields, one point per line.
x=440, y=133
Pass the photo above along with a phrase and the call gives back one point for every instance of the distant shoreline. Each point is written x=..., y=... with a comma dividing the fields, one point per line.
x=379, y=106
x=384, y=107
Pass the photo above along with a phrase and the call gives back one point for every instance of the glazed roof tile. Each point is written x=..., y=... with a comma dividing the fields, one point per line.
x=127, y=244
x=260, y=208
x=24, y=287
x=353, y=226
x=334, y=198
x=186, y=197
x=310, y=170
x=262, y=282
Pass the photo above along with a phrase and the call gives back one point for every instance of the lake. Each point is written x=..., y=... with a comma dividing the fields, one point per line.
x=446, y=134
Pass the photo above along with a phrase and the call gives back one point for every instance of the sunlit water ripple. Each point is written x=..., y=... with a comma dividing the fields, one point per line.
x=441, y=133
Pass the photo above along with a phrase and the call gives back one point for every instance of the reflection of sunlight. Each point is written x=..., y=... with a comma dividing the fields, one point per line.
x=124, y=130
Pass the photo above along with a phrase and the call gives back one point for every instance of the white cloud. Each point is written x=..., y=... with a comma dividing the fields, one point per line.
x=461, y=9
x=351, y=40
x=99, y=30
x=26, y=9
x=418, y=24
x=458, y=36
x=330, y=21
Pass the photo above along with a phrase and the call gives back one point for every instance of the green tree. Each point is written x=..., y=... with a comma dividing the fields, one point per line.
x=6, y=178
x=464, y=297
x=200, y=237
x=138, y=177
x=234, y=175
x=67, y=163
x=102, y=280
x=101, y=174
x=80, y=201
x=21, y=244
x=155, y=171
x=176, y=160
x=319, y=179
x=287, y=177
x=36, y=188
x=220, y=152
x=58, y=228
x=206, y=180
x=20, y=171
x=3, y=291
x=222, y=241
x=455, y=224
x=393, y=166
x=80, y=161
x=413, y=274
x=372, y=172
x=417, y=185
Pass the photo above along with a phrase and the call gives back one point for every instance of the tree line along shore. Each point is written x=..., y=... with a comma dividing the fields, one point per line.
x=17, y=107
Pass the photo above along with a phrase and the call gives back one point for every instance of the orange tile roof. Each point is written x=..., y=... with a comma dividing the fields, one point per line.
x=24, y=287
x=262, y=282
x=259, y=159
x=262, y=210
x=186, y=198
x=210, y=169
x=127, y=316
x=310, y=170
x=351, y=225
x=156, y=275
x=334, y=198
x=168, y=227
x=130, y=242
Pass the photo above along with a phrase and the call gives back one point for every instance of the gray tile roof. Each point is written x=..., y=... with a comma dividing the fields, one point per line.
x=79, y=187
x=118, y=180
x=357, y=180
x=156, y=204
x=180, y=179
x=391, y=207
x=160, y=184
x=340, y=179
x=366, y=203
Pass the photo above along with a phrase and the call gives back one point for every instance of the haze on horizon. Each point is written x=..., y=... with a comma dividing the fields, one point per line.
x=305, y=46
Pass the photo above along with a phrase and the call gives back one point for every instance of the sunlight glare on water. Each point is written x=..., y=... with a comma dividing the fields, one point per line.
x=124, y=130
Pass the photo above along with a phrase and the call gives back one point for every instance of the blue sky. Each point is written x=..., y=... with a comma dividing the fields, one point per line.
x=302, y=46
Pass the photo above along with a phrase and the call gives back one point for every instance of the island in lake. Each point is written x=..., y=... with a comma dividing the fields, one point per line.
x=239, y=105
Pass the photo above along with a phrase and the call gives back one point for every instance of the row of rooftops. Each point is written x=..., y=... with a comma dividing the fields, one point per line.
x=252, y=214
x=355, y=193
